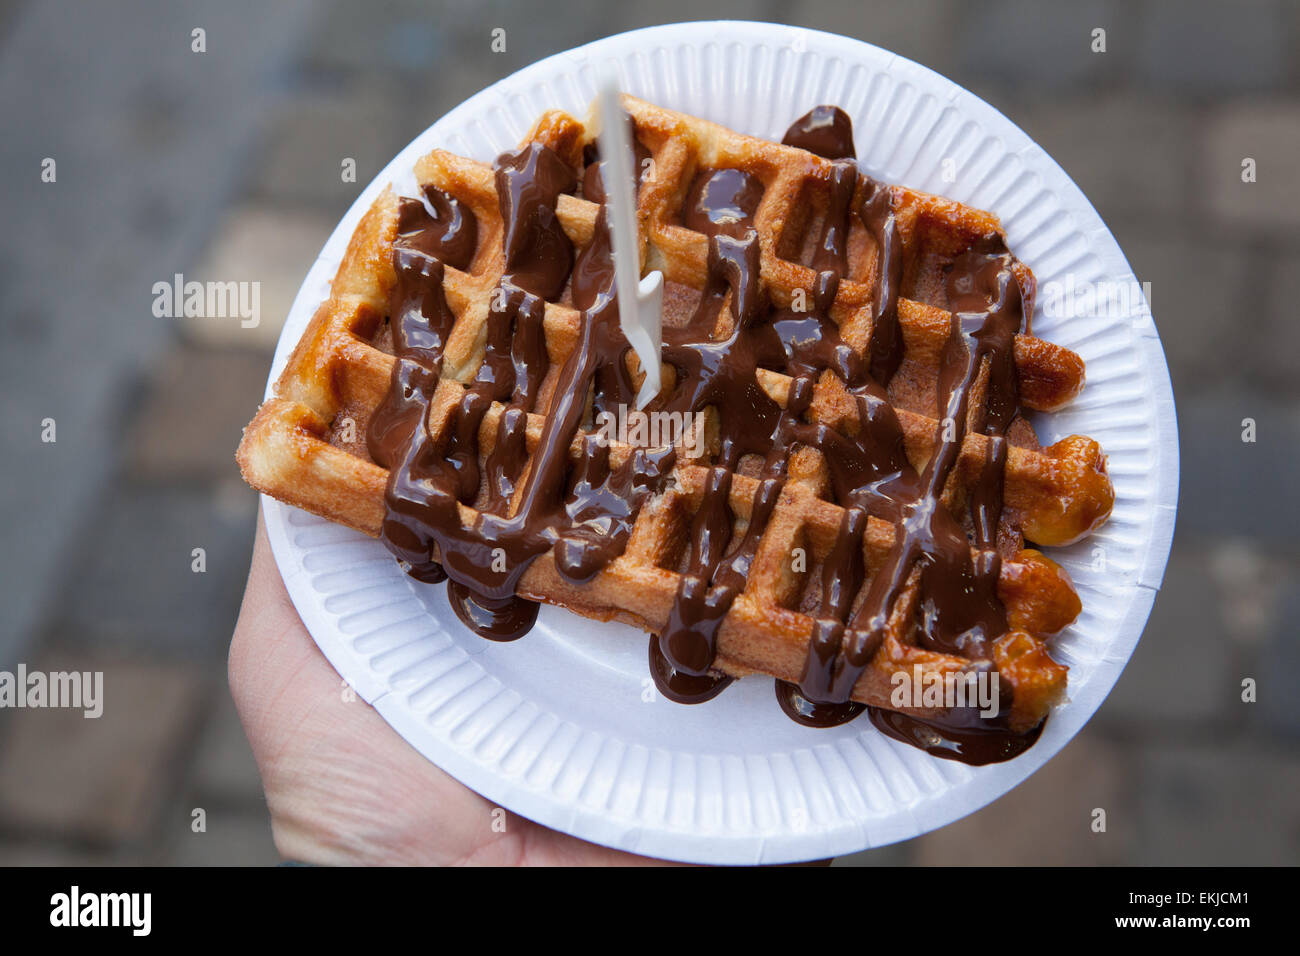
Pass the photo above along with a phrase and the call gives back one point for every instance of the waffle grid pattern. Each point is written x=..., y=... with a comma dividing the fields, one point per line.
x=306, y=446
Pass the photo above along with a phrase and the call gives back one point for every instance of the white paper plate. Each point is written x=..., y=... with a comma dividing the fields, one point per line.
x=557, y=727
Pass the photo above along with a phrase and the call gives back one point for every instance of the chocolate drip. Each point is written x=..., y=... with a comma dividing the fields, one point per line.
x=810, y=713
x=959, y=609
x=593, y=185
x=971, y=740
x=679, y=686
x=721, y=373
x=824, y=130
x=498, y=620
x=536, y=502
x=960, y=612
x=441, y=226
x=539, y=255
x=721, y=204
x=424, y=496
x=876, y=211
x=580, y=503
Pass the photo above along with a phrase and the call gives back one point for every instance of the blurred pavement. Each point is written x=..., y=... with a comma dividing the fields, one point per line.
x=225, y=164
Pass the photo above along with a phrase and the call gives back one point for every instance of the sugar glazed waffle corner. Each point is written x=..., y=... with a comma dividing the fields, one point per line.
x=857, y=356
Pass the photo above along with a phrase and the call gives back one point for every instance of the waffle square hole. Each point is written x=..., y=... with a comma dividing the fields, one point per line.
x=803, y=227
x=722, y=194
x=934, y=248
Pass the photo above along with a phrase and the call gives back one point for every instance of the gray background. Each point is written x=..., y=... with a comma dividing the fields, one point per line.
x=225, y=165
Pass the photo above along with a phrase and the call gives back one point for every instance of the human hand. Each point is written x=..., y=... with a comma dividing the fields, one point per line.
x=342, y=787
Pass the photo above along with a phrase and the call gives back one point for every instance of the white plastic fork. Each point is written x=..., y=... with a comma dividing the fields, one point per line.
x=640, y=300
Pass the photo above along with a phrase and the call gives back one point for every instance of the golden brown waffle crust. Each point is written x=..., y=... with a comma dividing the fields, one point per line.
x=292, y=450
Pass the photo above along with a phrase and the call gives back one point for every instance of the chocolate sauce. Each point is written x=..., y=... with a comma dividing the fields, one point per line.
x=977, y=744
x=810, y=713
x=876, y=211
x=723, y=202
x=539, y=255
x=824, y=130
x=593, y=186
x=959, y=609
x=680, y=687
x=505, y=620
x=536, y=500
x=581, y=505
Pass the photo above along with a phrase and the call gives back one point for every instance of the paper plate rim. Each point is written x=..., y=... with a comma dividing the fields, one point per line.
x=666, y=842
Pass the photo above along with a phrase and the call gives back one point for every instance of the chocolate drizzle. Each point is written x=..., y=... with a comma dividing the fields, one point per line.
x=825, y=131
x=965, y=738
x=533, y=503
x=935, y=581
x=959, y=611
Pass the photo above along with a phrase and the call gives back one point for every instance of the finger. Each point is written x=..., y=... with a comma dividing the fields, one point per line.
x=271, y=650
x=265, y=598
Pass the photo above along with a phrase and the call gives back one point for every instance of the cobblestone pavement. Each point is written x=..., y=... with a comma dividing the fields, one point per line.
x=225, y=164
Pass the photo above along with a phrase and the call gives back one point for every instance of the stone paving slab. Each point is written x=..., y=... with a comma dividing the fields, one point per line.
x=1231, y=488
x=225, y=773
x=921, y=31
x=1181, y=671
x=148, y=138
x=1252, y=584
x=1048, y=819
x=273, y=247
x=193, y=414
x=232, y=838
x=1267, y=131
x=132, y=583
x=1278, y=366
x=896, y=854
x=438, y=56
x=1092, y=137
x=1197, y=290
x=1041, y=50
x=1277, y=671
x=314, y=132
x=1218, y=803
x=1204, y=47
x=46, y=854
x=102, y=780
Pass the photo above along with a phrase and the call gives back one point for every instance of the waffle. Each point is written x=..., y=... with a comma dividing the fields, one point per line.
x=783, y=522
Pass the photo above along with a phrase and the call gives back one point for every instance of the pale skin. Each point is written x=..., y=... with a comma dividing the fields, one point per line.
x=342, y=787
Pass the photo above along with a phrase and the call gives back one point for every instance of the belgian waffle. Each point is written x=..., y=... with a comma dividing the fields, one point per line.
x=452, y=348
